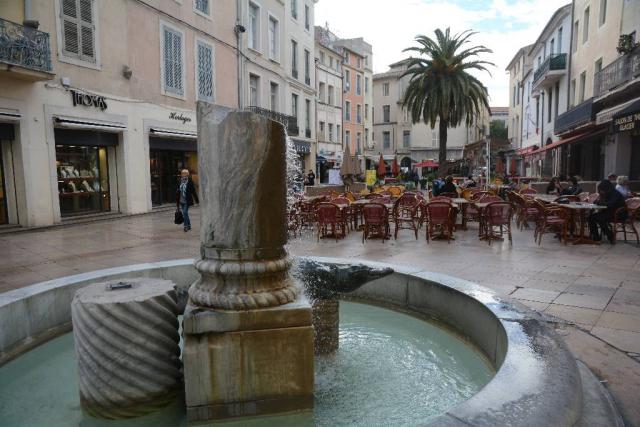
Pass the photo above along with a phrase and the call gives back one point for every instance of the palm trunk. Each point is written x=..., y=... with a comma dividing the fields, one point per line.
x=442, y=152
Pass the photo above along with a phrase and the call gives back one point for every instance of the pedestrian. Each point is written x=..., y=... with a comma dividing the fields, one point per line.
x=623, y=186
x=613, y=200
x=186, y=196
x=311, y=178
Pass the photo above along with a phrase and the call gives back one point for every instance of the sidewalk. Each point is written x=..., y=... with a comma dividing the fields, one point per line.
x=595, y=290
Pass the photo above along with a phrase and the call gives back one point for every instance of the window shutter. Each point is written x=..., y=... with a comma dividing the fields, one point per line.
x=78, y=29
x=172, y=51
x=87, y=32
x=205, y=72
x=70, y=27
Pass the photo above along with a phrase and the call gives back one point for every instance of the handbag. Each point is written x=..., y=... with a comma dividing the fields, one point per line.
x=178, y=218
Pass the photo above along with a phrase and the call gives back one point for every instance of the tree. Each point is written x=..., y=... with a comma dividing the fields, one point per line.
x=498, y=130
x=441, y=91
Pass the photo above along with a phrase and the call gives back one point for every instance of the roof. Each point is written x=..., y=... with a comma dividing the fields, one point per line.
x=517, y=55
x=499, y=110
x=558, y=14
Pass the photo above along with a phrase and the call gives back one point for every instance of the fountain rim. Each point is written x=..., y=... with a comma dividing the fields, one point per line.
x=548, y=373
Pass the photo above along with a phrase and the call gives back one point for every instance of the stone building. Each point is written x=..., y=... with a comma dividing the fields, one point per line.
x=97, y=106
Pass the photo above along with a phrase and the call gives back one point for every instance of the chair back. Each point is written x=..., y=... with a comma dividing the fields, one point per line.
x=584, y=196
x=349, y=195
x=499, y=213
x=386, y=193
x=528, y=191
x=439, y=212
x=475, y=197
x=395, y=191
x=491, y=199
x=593, y=197
x=372, y=196
x=341, y=201
x=407, y=200
x=327, y=213
x=467, y=193
x=440, y=199
x=374, y=213
x=450, y=195
x=633, y=203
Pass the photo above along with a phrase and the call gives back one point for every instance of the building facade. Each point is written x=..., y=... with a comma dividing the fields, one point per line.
x=328, y=64
x=97, y=111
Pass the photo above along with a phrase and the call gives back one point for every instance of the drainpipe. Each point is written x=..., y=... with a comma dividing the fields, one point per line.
x=239, y=29
x=542, y=107
x=28, y=20
x=569, y=54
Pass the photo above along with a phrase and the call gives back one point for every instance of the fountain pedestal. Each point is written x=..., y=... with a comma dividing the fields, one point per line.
x=248, y=335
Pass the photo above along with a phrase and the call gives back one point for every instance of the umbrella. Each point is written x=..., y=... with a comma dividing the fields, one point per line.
x=382, y=168
x=395, y=169
x=426, y=164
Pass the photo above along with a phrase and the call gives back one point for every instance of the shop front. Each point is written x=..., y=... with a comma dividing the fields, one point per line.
x=169, y=154
x=626, y=135
x=82, y=168
x=7, y=135
x=303, y=149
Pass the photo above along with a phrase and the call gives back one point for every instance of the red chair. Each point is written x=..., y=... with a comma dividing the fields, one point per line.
x=329, y=218
x=528, y=191
x=440, y=199
x=593, y=197
x=450, y=195
x=439, y=215
x=626, y=216
x=551, y=219
x=372, y=196
x=405, y=214
x=376, y=221
x=347, y=212
x=307, y=214
x=497, y=215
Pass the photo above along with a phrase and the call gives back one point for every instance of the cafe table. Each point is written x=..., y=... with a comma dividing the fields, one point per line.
x=545, y=197
x=580, y=215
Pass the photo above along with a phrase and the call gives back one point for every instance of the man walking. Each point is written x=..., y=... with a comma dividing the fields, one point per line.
x=186, y=196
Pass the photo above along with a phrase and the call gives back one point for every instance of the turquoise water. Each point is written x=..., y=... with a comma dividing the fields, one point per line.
x=391, y=369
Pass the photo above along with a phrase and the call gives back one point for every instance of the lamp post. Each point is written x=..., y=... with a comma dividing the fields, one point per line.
x=488, y=171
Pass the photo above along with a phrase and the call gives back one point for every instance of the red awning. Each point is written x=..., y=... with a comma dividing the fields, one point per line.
x=527, y=150
x=426, y=164
x=561, y=142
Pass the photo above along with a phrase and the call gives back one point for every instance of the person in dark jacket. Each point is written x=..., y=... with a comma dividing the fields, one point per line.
x=449, y=186
x=554, y=186
x=613, y=200
x=186, y=196
x=574, y=189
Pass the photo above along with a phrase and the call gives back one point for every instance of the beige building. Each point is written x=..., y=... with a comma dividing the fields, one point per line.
x=97, y=106
x=394, y=133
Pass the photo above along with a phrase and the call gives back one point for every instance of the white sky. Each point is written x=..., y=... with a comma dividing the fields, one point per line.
x=391, y=25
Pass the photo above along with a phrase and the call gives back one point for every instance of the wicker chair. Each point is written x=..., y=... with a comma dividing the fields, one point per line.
x=497, y=215
x=551, y=219
x=347, y=212
x=405, y=214
x=625, y=217
x=584, y=196
x=528, y=191
x=450, y=195
x=330, y=223
x=376, y=221
x=439, y=216
x=395, y=191
x=593, y=197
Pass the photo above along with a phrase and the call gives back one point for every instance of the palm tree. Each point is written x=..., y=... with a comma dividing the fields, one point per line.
x=441, y=90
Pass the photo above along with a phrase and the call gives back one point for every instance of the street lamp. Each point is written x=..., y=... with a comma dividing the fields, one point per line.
x=488, y=171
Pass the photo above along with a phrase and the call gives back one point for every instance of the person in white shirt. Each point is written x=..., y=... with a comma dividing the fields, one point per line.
x=623, y=186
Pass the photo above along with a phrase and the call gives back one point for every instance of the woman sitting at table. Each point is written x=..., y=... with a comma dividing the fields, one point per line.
x=574, y=189
x=554, y=186
x=622, y=186
x=449, y=186
x=612, y=199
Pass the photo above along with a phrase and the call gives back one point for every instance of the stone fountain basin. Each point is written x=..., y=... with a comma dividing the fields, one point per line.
x=537, y=380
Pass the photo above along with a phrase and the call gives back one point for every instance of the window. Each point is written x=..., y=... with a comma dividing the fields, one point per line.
x=173, y=61
x=294, y=105
x=537, y=115
x=385, y=89
x=366, y=60
x=552, y=46
x=330, y=95
x=572, y=100
x=513, y=101
x=358, y=142
x=294, y=9
x=307, y=117
x=359, y=113
x=386, y=113
x=603, y=12
x=338, y=134
x=550, y=104
x=205, y=71
x=294, y=59
x=254, y=26
x=78, y=29
x=347, y=111
x=598, y=66
x=307, y=67
x=557, y=99
x=585, y=26
x=574, y=41
x=331, y=62
x=322, y=57
x=359, y=62
x=406, y=139
x=583, y=82
x=321, y=126
x=307, y=17
x=366, y=136
x=347, y=57
x=347, y=80
x=330, y=132
x=254, y=90
x=321, y=86
x=366, y=85
x=358, y=84
x=274, y=95
x=347, y=137
x=201, y=6
x=386, y=140
x=518, y=93
x=274, y=39
x=559, y=40
x=366, y=111
x=434, y=138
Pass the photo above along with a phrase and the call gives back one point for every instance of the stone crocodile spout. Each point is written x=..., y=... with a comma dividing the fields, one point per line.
x=325, y=280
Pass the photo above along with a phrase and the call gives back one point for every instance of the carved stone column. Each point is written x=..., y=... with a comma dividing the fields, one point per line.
x=248, y=330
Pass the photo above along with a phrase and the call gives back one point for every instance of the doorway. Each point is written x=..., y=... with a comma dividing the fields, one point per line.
x=165, y=173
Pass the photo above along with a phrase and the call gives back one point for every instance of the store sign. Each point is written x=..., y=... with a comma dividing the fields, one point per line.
x=87, y=100
x=627, y=122
x=180, y=117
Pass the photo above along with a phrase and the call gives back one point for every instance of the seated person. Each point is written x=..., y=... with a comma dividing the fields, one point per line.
x=449, y=186
x=574, y=189
x=612, y=199
x=468, y=183
x=554, y=187
x=622, y=186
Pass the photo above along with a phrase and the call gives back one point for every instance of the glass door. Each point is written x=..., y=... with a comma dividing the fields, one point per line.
x=4, y=217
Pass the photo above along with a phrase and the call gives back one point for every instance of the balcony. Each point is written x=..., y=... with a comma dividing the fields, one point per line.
x=289, y=122
x=550, y=70
x=616, y=74
x=576, y=117
x=24, y=52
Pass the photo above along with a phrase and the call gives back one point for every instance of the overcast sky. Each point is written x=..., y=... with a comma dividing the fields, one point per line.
x=503, y=26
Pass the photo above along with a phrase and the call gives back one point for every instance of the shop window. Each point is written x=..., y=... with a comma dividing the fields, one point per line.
x=83, y=179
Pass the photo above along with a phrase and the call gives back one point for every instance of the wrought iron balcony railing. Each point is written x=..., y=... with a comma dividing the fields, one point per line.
x=577, y=116
x=24, y=46
x=554, y=62
x=289, y=122
x=620, y=71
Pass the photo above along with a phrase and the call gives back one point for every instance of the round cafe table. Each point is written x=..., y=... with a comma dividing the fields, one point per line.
x=580, y=215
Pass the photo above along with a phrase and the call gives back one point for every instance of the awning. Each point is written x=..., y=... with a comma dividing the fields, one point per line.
x=169, y=133
x=627, y=119
x=426, y=164
x=87, y=125
x=172, y=144
x=301, y=146
x=527, y=150
x=376, y=157
x=566, y=141
x=85, y=137
x=607, y=115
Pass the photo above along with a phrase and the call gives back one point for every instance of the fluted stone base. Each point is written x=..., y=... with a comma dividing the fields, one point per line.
x=326, y=325
x=127, y=348
x=247, y=363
